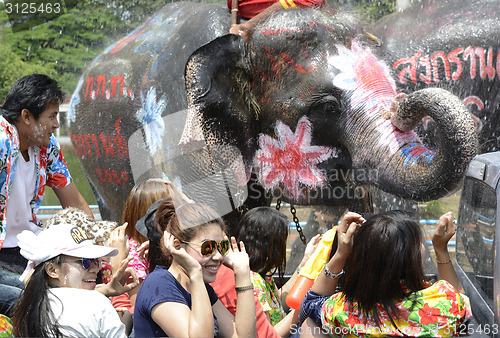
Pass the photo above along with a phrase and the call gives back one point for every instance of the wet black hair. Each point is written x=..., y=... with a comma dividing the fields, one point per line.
x=386, y=252
x=33, y=316
x=264, y=232
x=32, y=92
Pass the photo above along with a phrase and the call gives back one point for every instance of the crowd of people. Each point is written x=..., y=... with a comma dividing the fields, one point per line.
x=173, y=268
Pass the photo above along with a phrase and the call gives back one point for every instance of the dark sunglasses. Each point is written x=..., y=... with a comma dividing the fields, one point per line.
x=208, y=247
x=87, y=262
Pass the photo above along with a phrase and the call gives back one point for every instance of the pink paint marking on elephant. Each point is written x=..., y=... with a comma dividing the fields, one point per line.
x=366, y=78
x=371, y=89
x=290, y=160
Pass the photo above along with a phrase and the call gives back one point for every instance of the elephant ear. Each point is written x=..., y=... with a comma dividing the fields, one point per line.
x=217, y=87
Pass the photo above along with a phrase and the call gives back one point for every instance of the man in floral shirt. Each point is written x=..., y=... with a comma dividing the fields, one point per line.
x=30, y=159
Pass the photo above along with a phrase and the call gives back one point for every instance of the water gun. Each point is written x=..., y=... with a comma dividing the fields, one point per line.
x=313, y=267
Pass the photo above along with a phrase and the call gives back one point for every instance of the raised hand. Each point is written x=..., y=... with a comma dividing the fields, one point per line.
x=348, y=226
x=119, y=283
x=143, y=250
x=237, y=257
x=445, y=230
x=179, y=254
x=118, y=239
x=309, y=250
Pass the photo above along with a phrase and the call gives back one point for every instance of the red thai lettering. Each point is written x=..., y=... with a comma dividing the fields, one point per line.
x=108, y=146
x=470, y=53
x=87, y=143
x=101, y=82
x=96, y=145
x=90, y=85
x=114, y=80
x=81, y=142
x=76, y=145
x=412, y=70
x=474, y=100
x=119, y=177
x=488, y=68
x=452, y=56
x=427, y=78
x=485, y=63
x=102, y=91
x=120, y=142
x=435, y=68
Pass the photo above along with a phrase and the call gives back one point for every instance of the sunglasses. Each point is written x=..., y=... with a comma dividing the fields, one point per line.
x=208, y=247
x=87, y=262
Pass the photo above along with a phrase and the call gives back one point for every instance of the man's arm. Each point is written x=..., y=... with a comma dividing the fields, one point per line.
x=69, y=196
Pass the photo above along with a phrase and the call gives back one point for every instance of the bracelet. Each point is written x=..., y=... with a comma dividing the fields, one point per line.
x=243, y=288
x=330, y=274
x=234, y=10
x=448, y=261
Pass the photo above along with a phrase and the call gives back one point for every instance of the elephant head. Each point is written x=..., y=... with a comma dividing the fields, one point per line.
x=306, y=102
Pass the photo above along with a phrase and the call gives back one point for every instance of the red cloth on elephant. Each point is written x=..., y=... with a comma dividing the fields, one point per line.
x=224, y=288
x=249, y=8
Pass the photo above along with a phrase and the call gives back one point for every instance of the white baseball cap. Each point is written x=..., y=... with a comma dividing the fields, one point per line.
x=63, y=238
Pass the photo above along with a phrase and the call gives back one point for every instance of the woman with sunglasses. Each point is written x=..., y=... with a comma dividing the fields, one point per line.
x=175, y=299
x=59, y=299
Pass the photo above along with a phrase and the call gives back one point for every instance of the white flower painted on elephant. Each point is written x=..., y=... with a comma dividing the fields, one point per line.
x=150, y=118
x=367, y=79
x=371, y=89
x=290, y=160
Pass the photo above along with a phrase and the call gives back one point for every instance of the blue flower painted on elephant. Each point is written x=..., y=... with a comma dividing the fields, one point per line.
x=150, y=118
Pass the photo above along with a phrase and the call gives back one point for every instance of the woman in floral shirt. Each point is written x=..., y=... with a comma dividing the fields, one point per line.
x=384, y=292
x=265, y=231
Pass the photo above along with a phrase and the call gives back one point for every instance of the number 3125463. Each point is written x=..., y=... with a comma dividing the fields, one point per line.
x=32, y=8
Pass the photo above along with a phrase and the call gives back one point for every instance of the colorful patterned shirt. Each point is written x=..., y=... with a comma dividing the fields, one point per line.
x=5, y=326
x=267, y=292
x=438, y=312
x=140, y=265
x=51, y=170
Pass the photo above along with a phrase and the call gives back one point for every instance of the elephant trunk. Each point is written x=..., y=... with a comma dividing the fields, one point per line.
x=404, y=166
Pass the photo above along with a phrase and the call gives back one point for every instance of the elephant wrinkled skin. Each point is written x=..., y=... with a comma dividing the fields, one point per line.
x=304, y=110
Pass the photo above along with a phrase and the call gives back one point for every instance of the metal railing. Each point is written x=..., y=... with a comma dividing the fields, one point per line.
x=46, y=211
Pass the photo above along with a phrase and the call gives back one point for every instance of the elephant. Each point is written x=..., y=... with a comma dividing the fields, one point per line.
x=304, y=112
x=452, y=45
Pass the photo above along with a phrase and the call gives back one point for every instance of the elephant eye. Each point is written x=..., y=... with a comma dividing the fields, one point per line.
x=327, y=104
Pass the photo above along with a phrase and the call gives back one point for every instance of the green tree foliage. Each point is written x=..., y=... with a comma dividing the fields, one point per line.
x=372, y=10
x=64, y=47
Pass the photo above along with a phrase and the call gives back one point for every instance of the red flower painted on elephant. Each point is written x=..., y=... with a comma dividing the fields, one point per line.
x=428, y=315
x=290, y=160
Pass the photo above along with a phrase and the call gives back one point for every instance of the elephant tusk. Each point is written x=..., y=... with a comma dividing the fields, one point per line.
x=378, y=42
